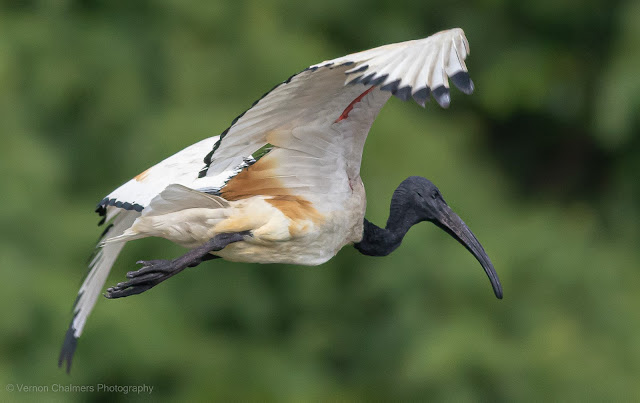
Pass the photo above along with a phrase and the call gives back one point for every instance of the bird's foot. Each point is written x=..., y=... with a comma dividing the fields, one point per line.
x=155, y=272
x=151, y=274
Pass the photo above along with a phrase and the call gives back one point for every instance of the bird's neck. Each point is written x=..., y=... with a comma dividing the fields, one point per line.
x=378, y=241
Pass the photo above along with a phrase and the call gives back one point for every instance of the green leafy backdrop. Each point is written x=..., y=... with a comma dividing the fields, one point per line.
x=542, y=162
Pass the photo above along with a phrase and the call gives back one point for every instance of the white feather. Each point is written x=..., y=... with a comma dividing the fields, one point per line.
x=181, y=168
x=100, y=266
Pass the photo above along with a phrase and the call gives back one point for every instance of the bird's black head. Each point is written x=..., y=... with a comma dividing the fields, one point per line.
x=421, y=195
x=421, y=200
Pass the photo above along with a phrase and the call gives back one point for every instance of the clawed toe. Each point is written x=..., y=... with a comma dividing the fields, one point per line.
x=151, y=274
x=117, y=292
x=136, y=285
x=152, y=266
x=143, y=279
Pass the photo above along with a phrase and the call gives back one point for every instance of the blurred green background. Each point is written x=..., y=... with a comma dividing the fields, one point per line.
x=542, y=162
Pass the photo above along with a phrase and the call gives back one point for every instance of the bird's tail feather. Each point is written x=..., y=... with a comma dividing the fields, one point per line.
x=100, y=265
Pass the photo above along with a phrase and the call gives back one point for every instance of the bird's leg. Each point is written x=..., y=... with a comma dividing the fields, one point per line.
x=154, y=272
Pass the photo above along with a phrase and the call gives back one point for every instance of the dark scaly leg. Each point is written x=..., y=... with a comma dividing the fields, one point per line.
x=156, y=271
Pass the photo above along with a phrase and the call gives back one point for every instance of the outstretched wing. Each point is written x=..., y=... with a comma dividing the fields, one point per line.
x=121, y=208
x=303, y=135
x=310, y=129
x=180, y=168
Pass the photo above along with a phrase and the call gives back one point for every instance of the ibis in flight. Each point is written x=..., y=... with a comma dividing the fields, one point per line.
x=282, y=183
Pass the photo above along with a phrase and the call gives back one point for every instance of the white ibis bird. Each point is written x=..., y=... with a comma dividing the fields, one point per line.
x=282, y=183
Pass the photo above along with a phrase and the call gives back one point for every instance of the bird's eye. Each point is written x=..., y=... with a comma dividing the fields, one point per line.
x=435, y=195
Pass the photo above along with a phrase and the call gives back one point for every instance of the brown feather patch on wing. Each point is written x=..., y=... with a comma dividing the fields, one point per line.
x=255, y=180
x=260, y=179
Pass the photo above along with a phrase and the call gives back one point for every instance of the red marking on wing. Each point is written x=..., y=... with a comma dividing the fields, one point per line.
x=345, y=113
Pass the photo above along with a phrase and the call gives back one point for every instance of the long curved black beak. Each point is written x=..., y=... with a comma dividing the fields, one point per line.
x=454, y=226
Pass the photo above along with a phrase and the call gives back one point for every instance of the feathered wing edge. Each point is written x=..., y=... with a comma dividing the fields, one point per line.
x=417, y=69
x=100, y=265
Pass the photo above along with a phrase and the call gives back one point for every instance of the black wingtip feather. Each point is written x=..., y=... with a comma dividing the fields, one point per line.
x=359, y=69
x=392, y=86
x=101, y=209
x=367, y=79
x=422, y=95
x=68, y=349
x=378, y=80
x=442, y=96
x=403, y=93
x=462, y=80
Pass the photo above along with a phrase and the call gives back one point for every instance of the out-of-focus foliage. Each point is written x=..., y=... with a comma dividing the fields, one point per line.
x=542, y=162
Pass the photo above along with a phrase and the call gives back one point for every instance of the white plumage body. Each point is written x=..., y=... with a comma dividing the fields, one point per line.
x=287, y=170
x=277, y=237
x=308, y=227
